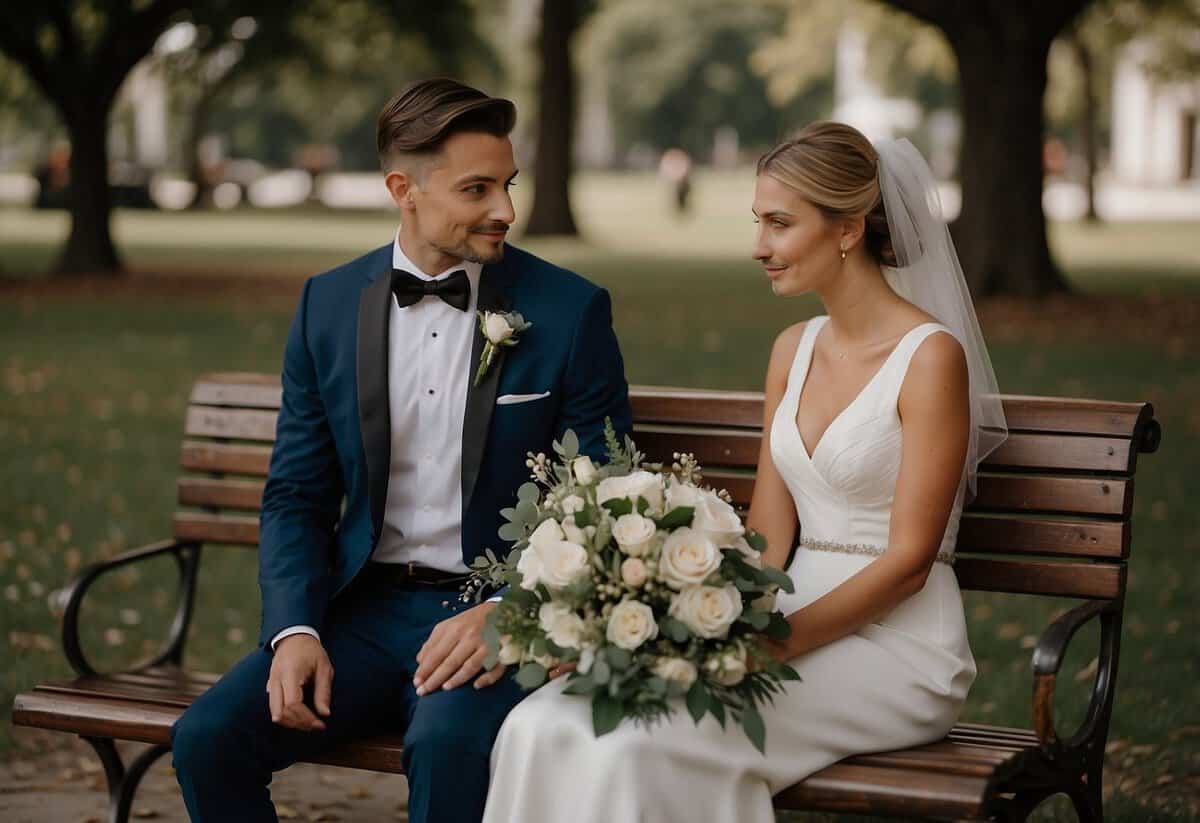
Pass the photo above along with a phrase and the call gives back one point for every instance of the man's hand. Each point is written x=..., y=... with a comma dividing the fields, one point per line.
x=299, y=658
x=454, y=653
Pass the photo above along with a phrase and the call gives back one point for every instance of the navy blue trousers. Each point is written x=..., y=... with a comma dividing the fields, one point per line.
x=226, y=748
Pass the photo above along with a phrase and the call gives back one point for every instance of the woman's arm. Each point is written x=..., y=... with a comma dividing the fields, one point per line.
x=772, y=510
x=935, y=414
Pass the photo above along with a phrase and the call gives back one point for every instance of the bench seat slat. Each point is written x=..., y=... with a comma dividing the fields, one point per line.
x=143, y=706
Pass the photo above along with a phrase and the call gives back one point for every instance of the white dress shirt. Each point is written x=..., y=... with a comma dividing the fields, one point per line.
x=429, y=364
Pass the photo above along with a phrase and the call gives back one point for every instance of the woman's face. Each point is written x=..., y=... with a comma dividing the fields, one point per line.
x=796, y=244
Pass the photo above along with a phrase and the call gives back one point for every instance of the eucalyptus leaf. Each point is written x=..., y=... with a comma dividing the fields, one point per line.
x=511, y=532
x=528, y=491
x=600, y=671
x=531, y=675
x=619, y=658
x=527, y=512
x=570, y=444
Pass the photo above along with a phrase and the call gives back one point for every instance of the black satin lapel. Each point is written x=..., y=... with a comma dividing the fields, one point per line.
x=481, y=399
x=374, y=415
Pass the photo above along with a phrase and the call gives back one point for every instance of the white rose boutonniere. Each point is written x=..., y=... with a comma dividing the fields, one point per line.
x=499, y=329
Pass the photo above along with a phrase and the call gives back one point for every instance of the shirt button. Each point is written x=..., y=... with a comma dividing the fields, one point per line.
x=435, y=334
x=431, y=392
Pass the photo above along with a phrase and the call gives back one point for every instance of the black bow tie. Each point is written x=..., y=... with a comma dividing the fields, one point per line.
x=409, y=289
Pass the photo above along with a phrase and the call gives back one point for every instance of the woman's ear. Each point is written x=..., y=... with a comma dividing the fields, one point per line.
x=851, y=231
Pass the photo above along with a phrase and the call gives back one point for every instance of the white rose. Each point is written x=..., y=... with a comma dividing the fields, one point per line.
x=611, y=488
x=548, y=531
x=563, y=563
x=561, y=625
x=531, y=568
x=632, y=486
x=633, y=572
x=631, y=624
x=648, y=485
x=585, y=470
x=496, y=328
x=719, y=519
x=728, y=668
x=688, y=557
x=752, y=556
x=509, y=653
x=573, y=533
x=634, y=534
x=681, y=494
x=573, y=503
x=708, y=611
x=676, y=670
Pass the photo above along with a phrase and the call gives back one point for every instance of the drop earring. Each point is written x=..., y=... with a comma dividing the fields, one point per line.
x=843, y=254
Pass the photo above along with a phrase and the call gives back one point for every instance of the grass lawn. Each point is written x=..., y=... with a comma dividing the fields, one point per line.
x=94, y=381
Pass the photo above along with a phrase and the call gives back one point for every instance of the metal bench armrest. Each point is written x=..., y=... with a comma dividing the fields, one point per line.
x=187, y=559
x=1048, y=659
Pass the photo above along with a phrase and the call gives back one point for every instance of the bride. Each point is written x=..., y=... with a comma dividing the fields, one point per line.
x=877, y=415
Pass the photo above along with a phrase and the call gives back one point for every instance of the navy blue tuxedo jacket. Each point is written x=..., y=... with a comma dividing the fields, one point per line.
x=322, y=509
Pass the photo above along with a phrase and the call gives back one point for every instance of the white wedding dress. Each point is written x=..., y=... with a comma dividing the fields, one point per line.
x=892, y=684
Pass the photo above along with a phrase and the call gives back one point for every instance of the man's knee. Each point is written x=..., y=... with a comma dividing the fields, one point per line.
x=200, y=739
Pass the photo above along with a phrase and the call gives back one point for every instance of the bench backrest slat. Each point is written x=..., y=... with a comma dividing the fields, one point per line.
x=1052, y=514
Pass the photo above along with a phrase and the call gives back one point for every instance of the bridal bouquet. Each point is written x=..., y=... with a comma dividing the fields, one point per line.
x=644, y=580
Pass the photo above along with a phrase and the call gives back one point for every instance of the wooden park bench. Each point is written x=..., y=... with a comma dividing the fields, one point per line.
x=1052, y=518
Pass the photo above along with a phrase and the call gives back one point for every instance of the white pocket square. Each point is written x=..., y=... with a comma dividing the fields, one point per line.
x=509, y=399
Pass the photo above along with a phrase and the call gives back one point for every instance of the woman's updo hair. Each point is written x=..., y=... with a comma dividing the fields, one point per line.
x=834, y=167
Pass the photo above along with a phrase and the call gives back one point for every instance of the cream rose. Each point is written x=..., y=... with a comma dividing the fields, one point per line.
x=585, y=470
x=497, y=329
x=631, y=624
x=573, y=503
x=681, y=494
x=676, y=670
x=548, y=531
x=634, y=534
x=561, y=625
x=509, y=652
x=563, y=563
x=633, y=572
x=530, y=566
x=688, y=557
x=718, y=519
x=708, y=611
x=728, y=668
x=573, y=533
x=632, y=486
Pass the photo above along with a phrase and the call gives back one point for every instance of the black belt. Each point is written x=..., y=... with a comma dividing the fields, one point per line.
x=410, y=573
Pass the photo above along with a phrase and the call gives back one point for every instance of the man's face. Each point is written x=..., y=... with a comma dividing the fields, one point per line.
x=460, y=206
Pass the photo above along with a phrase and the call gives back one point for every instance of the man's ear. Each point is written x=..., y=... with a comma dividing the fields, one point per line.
x=402, y=185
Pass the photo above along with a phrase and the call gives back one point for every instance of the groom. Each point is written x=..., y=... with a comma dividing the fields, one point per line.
x=391, y=465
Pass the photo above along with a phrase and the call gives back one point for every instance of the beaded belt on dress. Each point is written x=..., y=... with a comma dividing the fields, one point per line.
x=861, y=548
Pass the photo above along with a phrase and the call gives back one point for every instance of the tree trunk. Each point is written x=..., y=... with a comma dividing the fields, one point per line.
x=551, y=210
x=1001, y=231
x=89, y=247
x=1087, y=128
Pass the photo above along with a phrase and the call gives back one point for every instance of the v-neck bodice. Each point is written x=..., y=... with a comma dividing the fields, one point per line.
x=844, y=489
